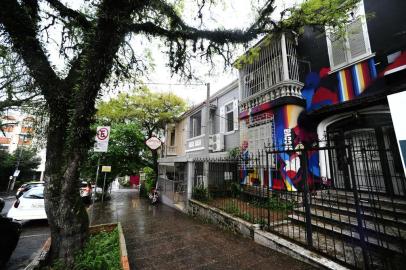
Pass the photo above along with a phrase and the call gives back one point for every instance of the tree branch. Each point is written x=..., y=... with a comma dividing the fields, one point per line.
x=22, y=32
x=218, y=36
x=76, y=16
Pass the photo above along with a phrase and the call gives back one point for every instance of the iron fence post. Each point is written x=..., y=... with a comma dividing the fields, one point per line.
x=306, y=199
x=267, y=190
x=357, y=207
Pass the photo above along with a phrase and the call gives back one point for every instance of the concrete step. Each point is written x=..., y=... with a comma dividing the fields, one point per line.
x=371, y=198
x=379, y=230
x=347, y=233
x=334, y=247
x=388, y=218
x=374, y=204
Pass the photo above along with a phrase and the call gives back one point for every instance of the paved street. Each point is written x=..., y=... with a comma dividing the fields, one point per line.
x=31, y=239
x=159, y=237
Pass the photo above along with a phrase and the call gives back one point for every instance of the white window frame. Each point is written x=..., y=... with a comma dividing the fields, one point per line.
x=358, y=14
x=259, y=136
x=172, y=138
x=226, y=117
x=194, y=125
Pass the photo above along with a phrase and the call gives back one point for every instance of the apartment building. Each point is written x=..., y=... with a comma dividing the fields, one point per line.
x=193, y=137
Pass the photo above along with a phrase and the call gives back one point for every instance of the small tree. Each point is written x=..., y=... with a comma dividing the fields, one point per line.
x=152, y=111
x=126, y=153
x=28, y=163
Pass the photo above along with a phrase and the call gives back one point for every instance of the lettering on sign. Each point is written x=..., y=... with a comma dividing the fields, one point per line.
x=287, y=139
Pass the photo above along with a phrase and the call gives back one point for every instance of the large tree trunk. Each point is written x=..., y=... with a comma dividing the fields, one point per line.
x=66, y=213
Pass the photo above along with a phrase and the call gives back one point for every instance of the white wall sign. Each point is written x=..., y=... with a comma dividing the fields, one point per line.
x=398, y=111
x=153, y=143
x=102, y=139
x=16, y=173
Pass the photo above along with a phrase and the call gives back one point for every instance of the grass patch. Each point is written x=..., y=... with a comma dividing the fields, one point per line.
x=101, y=252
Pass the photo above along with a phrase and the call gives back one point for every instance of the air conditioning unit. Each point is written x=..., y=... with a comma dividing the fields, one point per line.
x=216, y=142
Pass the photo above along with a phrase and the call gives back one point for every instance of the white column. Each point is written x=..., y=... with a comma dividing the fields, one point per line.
x=206, y=174
x=284, y=58
x=190, y=177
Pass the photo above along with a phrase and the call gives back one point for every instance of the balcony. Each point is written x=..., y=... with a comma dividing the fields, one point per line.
x=281, y=89
x=195, y=143
x=274, y=74
x=171, y=150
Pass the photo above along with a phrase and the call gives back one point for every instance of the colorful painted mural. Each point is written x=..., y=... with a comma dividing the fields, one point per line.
x=285, y=170
x=293, y=128
x=322, y=89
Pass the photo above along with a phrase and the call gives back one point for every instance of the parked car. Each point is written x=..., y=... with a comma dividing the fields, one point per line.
x=27, y=186
x=86, y=192
x=9, y=234
x=30, y=205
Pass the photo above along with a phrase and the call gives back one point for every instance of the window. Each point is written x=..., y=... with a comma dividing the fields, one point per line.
x=229, y=112
x=353, y=45
x=229, y=117
x=196, y=125
x=259, y=136
x=172, y=142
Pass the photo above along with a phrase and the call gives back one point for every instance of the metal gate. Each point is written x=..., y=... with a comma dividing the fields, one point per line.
x=349, y=202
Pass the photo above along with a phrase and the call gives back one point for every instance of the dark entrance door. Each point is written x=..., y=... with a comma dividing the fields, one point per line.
x=374, y=154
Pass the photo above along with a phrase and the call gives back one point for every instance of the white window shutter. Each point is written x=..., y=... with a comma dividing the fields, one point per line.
x=235, y=114
x=222, y=119
x=356, y=38
x=338, y=50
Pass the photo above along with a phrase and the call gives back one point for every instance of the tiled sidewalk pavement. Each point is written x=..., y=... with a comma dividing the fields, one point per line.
x=159, y=237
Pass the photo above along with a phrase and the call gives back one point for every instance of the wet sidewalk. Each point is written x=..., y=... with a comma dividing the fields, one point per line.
x=159, y=237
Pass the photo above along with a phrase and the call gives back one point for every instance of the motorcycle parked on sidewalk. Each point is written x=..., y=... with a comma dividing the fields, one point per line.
x=154, y=196
x=9, y=234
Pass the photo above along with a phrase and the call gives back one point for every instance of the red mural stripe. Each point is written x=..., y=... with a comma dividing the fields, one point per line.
x=350, y=88
x=367, y=75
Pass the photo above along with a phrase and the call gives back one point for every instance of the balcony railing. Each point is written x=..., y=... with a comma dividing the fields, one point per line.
x=281, y=89
x=171, y=150
x=195, y=143
x=275, y=74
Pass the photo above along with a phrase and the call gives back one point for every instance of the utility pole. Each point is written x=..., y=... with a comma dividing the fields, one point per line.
x=207, y=128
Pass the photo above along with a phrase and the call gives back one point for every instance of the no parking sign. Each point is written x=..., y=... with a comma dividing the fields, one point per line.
x=102, y=139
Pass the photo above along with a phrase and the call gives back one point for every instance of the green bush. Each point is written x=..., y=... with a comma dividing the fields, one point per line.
x=149, y=183
x=101, y=252
x=200, y=193
x=274, y=203
x=232, y=209
x=235, y=189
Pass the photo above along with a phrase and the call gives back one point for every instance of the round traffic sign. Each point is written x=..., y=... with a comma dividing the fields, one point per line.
x=102, y=134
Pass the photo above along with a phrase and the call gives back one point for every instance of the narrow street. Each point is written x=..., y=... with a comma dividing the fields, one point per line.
x=159, y=237
x=32, y=238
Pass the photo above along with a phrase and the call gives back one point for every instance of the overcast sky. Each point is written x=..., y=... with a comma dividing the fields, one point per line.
x=228, y=14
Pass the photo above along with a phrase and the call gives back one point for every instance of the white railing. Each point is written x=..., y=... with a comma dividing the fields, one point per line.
x=195, y=143
x=281, y=89
x=171, y=150
x=273, y=75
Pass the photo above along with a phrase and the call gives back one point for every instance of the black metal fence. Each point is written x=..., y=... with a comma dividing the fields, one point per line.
x=328, y=198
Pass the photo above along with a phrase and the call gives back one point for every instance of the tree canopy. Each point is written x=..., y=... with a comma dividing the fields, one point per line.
x=152, y=111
